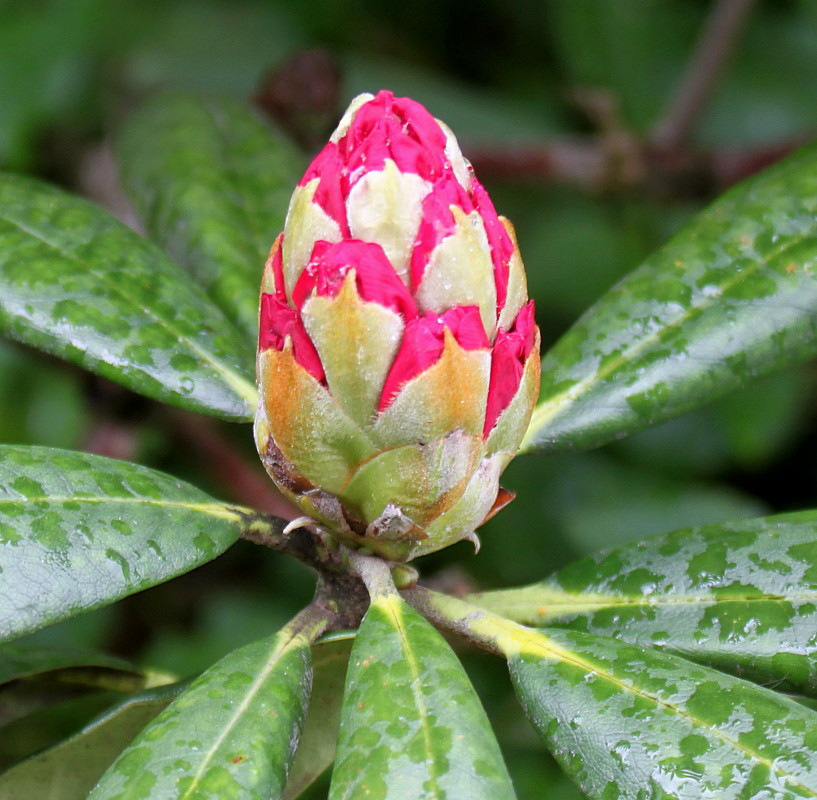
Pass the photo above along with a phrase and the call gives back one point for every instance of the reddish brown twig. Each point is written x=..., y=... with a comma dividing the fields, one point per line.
x=704, y=69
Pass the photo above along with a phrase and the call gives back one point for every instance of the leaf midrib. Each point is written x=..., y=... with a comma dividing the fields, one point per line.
x=417, y=692
x=242, y=387
x=557, y=652
x=211, y=509
x=566, y=607
x=280, y=647
x=547, y=410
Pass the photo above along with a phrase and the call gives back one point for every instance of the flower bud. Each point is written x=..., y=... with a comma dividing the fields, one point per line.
x=398, y=356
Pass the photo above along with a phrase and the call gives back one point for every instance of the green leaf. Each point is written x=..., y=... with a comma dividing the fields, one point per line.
x=49, y=723
x=740, y=596
x=70, y=769
x=79, y=531
x=231, y=734
x=34, y=676
x=411, y=724
x=211, y=182
x=731, y=297
x=316, y=748
x=71, y=664
x=78, y=283
x=629, y=723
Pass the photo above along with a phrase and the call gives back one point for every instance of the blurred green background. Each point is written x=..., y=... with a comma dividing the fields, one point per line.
x=574, y=85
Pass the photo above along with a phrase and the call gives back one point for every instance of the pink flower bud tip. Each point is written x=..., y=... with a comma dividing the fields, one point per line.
x=398, y=353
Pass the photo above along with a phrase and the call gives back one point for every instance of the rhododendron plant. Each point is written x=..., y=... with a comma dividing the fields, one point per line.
x=397, y=362
x=398, y=354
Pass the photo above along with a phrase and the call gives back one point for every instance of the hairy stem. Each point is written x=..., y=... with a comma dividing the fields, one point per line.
x=310, y=622
x=375, y=573
x=478, y=626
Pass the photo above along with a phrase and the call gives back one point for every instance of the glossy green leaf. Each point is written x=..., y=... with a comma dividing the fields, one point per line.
x=76, y=282
x=316, y=747
x=70, y=769
x=412, y=724
x=629, y=723
x=212, y=182
x=730, y=297
x=231, y=734
x=739, y=596
x=79, y=531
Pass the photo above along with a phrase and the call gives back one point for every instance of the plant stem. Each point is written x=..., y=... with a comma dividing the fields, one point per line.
x=375, y=574
x=340, y=592
x=498, y=635
x=310, y=622
x=721, y=32
x=478, y=626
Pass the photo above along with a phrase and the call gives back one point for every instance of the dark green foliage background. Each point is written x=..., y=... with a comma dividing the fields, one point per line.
x=502, y=75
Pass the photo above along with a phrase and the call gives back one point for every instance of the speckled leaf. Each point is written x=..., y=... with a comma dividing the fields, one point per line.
x=80, y=531
x=732, y=296
x=230, y=735
x=316, y=748
x=76, y=282
x=69, y=770
x=212, y=182
x=412, y=725
x=739, y=596
x=629, y=723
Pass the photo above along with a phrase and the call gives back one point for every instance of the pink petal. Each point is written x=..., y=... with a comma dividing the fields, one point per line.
x=510, y=352
x=396, y=128
x=525, y=326
x=333, y=188
x=278, y=271
x=498, y=238
x=375, y=278
x=386, y=127
x=277, y=323
x=465, y=323
x=437, y=222
x=423, y=343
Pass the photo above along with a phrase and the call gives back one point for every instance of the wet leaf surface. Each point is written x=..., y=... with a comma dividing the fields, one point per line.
x=412, y=724
x=316, y=747
x=77, y=283
x=627, y=722
x=740, y=596
x=79, y=531
x=212, y=182
x=730, y=297
x=232, y=734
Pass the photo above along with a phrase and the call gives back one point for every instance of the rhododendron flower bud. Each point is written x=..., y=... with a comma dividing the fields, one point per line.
x=398, y=359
